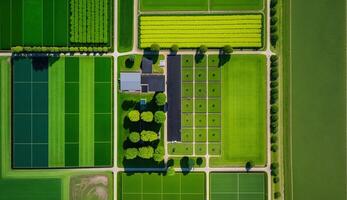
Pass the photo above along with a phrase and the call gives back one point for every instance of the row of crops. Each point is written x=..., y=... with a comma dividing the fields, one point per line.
x=189, y=31
x=89, y=21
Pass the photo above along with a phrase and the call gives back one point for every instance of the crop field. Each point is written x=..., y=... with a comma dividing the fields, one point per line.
x=238, y=186
x=62, y=112
x=243, y=31
x=201, y=108
x=156, y=186
x=200, y=5
x=125, y=25
x=243, y=107
x=46, y=23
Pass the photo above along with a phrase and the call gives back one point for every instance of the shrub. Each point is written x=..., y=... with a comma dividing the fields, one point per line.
x=160, y=99
x=273, y=38
x=199, y=161
x=274, y=165
x=227, y=49
x=273, y=12
x=149, y=136
x=134, y=137
x=274, y=64
x=274, y=148
x=273, y=118
x=273, y=99
x=273, y=130
x=146, y=152
x=17, y=49
x=273, y=3
x=147, y=116
x=129, y=62
x=274, y=125
x=249, y=165
x=273, y=75
x=159, y=117
x=155, y=47
x=134, y=115
x=170, y=171
x=273, y=29
x=276, y=179
x=274, y=139
x=274, y=172
x=203, y=49
x=159, y=154
x=175, y=48
x=273, y=58
x=274, y=91
x=273, y=20
x=131, y=153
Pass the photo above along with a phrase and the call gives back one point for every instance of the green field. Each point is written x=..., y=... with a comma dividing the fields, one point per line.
x=200, y=5
x=243, y=111
x=316, y=98
x=156, y=186
x=125, y=25
x=242, y=31
x=62, y=113
x=238, y=186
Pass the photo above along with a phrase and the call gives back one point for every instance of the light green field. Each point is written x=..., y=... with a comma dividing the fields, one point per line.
x=243, y=111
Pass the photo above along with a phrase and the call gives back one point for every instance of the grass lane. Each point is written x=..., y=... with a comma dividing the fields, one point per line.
x=56, y=115
x=86, y=107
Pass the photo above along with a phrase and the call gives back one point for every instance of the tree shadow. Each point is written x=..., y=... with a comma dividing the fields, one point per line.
x=223, y=58
x=198, y=56
x=151, y=55
x=40, y=63
x=128, y=104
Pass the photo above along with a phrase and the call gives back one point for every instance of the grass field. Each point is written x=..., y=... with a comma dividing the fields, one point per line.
x=242, y=31
x=243, y=111
x=317, y=97
x=155, y=186
x=200, y=5
x=238, y=186
x=125, y=25
x=62, y=112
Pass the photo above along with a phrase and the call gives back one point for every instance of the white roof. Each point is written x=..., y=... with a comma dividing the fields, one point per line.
x=130, y=81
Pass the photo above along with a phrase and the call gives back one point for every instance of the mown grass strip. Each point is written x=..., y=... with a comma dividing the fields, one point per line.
x=56, y=115
x=86, y=107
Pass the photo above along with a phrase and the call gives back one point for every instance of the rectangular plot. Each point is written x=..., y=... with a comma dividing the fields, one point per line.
x=22, y=69
x=72, y=97
x=200, y=120
x=72, y=128
x=72, y=69
x=200, y=105
x=71, y=155
x=200, y=149
x=192, y=196
x=180, y=148
x=225, y=196
x=152, y=183
x=187, y=89
x=187, y=74
x=214, y=105
x=5, y=21
x=252, y=183
x=48, y=24
x=40, y=155
x=103, y=98
x=172, y=196
x=187, y=135
x=187, y=105
x=40, y=128
x=223, y=5
x=194, y=183
x=39, y=98
x=187, y=61
x=200, y=135
x=214, y=120
x=178, y=5
x=223, y=183
x=214, y=89
x=200, y=90
x=103, y=69
x=22, y=128
x=61, y=23
x=103, y=127
x=22, y=98
x=131, y=183
x=131, y=196
x=56, y=116
x=214, y=135
x=86, y=106
x=187, y=120
x=151, y=197
x=33, y=21
x=22, y=155
x=102, y=155
x=200, y=75
x=171, y=184
x=17, y=23
x=214, y=74
x=214, y=149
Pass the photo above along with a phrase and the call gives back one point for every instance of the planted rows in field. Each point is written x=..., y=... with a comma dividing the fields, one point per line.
x=89, y=21
x=192, y=31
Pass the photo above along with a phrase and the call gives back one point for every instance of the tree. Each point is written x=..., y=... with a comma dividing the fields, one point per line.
x=277, y=195
x=273, y=118
x=134, y=115
x=159, y=117
x=274, y=109
x=155, y=47
x=129, y=62
x=273, y=11
x=159, y=154
x=171, y=171
x=175, y=48
x=227, y=49
x=203, y=49
x=199, y=161
x=147, y=116
x=17, y=49
x=274, y=165
x=273, y=84
x=160, y=99
x=131, y=153
x=273, y=58
x=274, y=172
x=149, y=136
x=249, y=165
x=273, y=3
x=274, y=148
x=276, y=179
x=146, y=152
x=134, y=137
x=274, y=139
x=273, y=38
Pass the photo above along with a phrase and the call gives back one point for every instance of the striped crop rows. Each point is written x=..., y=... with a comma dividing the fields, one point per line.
x=192, y=31
x=89, y=21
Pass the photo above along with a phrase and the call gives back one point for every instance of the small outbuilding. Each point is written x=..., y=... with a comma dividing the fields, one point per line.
x=130, y=82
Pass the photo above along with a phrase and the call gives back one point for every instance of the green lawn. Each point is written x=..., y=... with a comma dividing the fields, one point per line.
x=243, y=111
x=316, y=97
x=236, y=4
x=180, y=148
x=156, y=186
x=125, y=25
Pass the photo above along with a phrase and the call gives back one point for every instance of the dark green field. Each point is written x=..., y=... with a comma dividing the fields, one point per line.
x=316, y=149
x=62, y=112
x=125, y=25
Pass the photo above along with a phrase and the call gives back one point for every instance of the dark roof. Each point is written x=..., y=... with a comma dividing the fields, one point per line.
x=156, y=83
x=146, y=65
x=174, y=97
